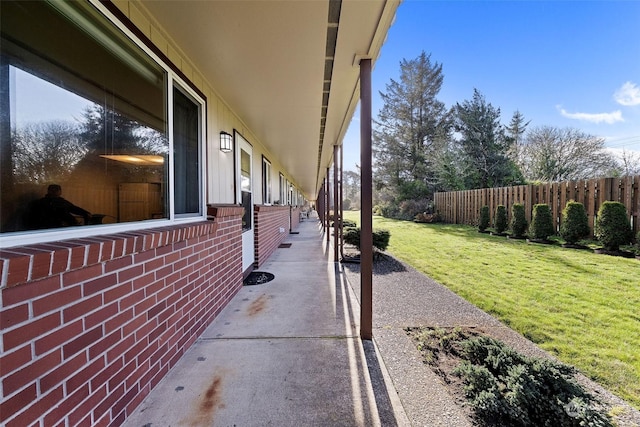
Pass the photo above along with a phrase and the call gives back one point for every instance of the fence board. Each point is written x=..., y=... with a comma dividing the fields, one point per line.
x=463, y=207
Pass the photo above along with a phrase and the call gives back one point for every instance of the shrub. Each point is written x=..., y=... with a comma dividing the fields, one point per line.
x=427, y=217
x=348, y=223
x=410, y=208
x=575, y=223
x=518, y=220
x=483, y=222
x=637, y=246
x=500, y=224
x=380, y=238
x=541, y=222
x=505, y=387
x=612, y=226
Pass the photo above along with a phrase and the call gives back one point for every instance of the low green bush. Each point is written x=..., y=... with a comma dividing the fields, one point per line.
x=575, y=223
x=504, y=387
x=500, y=224
x=483, y=221
x=541, y=222
x=612, y=226
x=518, y=220
x=380, y=238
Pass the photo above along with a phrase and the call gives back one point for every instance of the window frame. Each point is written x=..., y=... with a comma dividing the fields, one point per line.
x=175, y=79
x=267, y=194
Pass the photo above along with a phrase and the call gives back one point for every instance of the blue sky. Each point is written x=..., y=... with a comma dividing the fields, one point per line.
x=560, y=63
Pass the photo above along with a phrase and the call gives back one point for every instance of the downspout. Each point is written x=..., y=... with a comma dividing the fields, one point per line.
x=366, y=219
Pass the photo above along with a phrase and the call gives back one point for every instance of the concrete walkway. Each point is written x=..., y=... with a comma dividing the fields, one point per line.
x=284, y=353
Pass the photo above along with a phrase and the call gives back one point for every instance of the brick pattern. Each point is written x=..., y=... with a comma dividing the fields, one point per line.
x=268, y=221
x=295, y=216
x=90, y=326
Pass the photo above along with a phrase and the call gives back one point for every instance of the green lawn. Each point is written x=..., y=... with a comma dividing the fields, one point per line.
x=582, y=307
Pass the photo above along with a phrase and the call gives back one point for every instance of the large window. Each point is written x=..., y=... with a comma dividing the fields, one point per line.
x=84, y=128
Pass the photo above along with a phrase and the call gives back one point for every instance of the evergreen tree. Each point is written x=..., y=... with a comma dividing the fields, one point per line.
x=515, y=134
x=412, y=128
x=483, y=144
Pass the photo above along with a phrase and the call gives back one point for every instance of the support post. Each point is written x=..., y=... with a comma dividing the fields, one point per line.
x=337, y=219
x=328, y=195
x=366, y=219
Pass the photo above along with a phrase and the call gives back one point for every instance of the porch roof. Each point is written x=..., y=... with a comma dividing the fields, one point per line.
x=288, y=68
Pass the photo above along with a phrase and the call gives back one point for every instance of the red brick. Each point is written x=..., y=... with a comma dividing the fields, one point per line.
x=17, y=266
x=78, y=416
x=143, y=281
x=9, y=407
x=81, y=275
x=121, y=404
x=82, y=342
x=119, y=349
x=60, y=261
x=118, y=378
x=130, y=273
x=62, y=372
x=104, y=344
x=131, y=300
x=134, y=325
x=144, y=305
x=61, y=411
x=85, y=374
x=82, y=308
x=30, y=372
x=31, y=330
x=108, y=403
x=101, y=316
x=100, y=284
x=12, y=361
x=37, y=408
x=56, y=300
x=11, y=317
x=103, y=377
x=58, y=337
x=117, y=322
x=118, y=264
x=118, y=292
x=28, y=291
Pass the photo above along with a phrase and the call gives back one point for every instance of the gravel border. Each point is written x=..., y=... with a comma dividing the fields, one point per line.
x=397, y=305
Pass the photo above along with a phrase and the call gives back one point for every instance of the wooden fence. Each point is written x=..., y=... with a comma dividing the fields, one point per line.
x=463, y=207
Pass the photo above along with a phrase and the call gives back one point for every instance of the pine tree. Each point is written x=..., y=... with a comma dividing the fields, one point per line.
x=412, y=127
x=484, y=146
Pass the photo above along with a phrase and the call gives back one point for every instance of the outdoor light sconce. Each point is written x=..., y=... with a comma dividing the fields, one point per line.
x=226, y=142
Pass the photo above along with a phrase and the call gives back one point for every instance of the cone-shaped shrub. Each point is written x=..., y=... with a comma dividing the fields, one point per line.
x=518, y=220
x=483, y=222
x=541, y=223
x=575, y=223
x=612, y=227
x=501, y=219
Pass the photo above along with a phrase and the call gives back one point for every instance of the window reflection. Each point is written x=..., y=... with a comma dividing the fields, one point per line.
x=81, y=115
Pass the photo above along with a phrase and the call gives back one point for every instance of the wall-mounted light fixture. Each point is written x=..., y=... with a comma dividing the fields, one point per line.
x=226, y=142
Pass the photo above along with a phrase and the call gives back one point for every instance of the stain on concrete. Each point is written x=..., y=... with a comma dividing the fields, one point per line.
x=202, y=415
x=257, y=306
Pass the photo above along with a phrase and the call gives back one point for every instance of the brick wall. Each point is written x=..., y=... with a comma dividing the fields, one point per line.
x=295, y=217
x=90, y=326
x=268, y=220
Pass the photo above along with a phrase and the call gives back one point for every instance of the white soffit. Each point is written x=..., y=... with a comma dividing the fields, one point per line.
x=267, y=58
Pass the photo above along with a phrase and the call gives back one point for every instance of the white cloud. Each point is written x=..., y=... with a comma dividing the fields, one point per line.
x=628, y=94
x=609, y=118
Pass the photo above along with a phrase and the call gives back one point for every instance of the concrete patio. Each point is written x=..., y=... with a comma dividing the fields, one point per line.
x=282, y=353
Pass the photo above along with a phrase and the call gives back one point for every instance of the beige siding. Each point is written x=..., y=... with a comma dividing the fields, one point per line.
x=220, y=117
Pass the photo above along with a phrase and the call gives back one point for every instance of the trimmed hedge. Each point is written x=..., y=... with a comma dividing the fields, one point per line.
x=612, y=226
x=483, y=222
x=500, y=224
x=380, y=238
x=518, y=221
x=541, y=222
x=575, y=223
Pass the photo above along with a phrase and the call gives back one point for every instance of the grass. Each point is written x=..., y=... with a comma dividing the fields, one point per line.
x=580, y=306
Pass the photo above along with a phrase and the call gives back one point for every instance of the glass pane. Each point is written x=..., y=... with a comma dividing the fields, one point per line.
x=245, y=169
x=83, y=118
x=186, y=148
